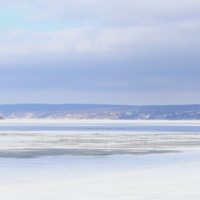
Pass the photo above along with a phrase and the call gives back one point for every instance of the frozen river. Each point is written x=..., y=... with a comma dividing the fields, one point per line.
x=48, y=138
x=154, y=160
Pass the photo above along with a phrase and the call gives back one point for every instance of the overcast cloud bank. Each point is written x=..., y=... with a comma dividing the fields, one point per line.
x=133, y=52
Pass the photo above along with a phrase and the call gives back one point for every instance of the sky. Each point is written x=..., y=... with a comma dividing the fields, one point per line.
x=128, y=52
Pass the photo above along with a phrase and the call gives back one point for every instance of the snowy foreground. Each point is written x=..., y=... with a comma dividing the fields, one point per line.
x=139, y=172
x=160, y=176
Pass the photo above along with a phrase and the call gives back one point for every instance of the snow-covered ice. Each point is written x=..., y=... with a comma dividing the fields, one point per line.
x=152, y=177
x=61, y=176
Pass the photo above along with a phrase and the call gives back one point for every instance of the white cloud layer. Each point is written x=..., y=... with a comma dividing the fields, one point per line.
x=140, y=27
x=118, y=26
x=139, y=40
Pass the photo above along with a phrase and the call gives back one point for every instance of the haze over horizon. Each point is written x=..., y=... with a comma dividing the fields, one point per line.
x=100, y=52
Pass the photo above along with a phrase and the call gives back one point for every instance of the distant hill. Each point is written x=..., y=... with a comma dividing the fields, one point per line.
x=99, y=111
x=51, y=107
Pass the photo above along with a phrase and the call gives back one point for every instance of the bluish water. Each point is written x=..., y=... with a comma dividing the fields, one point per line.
x=101, y=127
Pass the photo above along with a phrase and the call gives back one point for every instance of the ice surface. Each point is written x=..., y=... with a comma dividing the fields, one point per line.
x=33, y=138
x=152, y=177
x=37, y=163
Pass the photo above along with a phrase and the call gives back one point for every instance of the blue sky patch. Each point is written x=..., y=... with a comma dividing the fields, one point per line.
x=13, y=17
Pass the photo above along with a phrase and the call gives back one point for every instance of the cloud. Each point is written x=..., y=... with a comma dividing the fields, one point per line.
x=125, y=47
x=144, y=28
x=137, y=41
x=112, y=12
